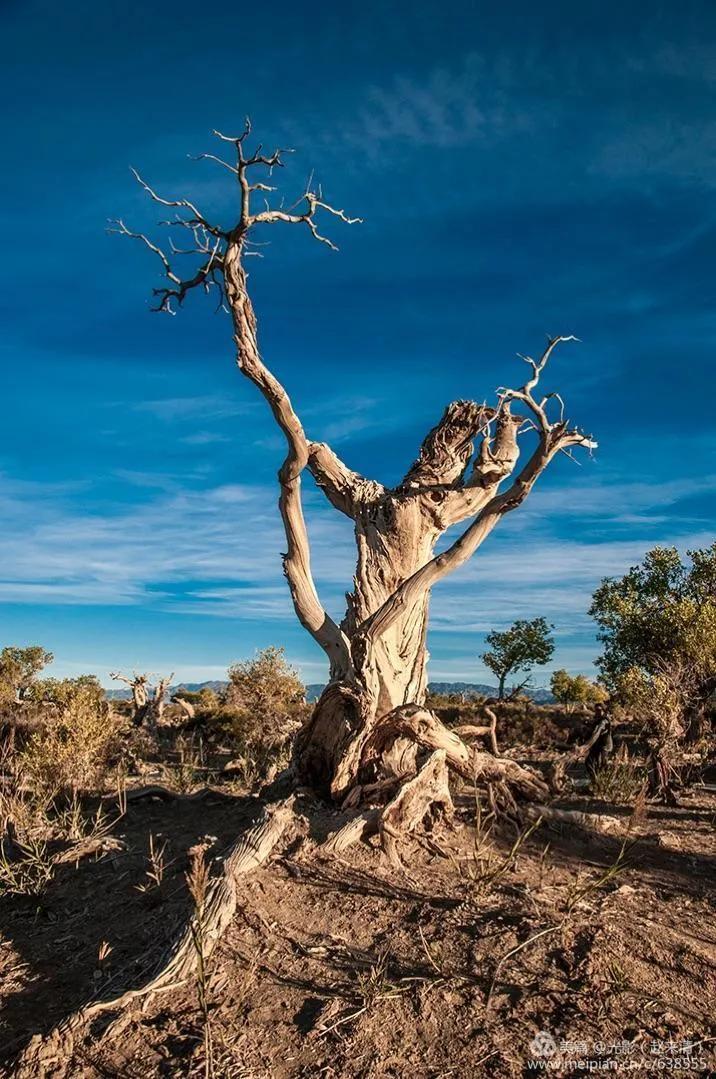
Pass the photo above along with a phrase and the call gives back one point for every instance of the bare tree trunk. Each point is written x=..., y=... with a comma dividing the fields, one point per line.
x=369, y=725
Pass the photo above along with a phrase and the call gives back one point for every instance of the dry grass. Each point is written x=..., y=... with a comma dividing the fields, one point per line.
x=620, y=780
x=197, y=880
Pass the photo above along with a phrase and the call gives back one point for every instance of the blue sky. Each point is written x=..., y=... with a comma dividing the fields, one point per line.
x=521, y=169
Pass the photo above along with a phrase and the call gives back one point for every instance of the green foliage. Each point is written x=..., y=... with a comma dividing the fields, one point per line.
x=64, y=692
x=657, y=624
x=264, y=686
x=659, y=611
x=19, y=667
x=524, y=645
x=572, y=690
x=261, y=709
x=205, y=700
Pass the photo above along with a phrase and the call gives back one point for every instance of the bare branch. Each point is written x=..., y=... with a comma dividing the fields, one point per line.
x=184, y=204
x=553, y=439
x=343, y=488
x=237, y=140
x=314, y=203
x=218, y=160
x=121, y=229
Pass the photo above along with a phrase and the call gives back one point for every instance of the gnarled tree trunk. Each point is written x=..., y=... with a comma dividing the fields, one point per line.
x=369, y=726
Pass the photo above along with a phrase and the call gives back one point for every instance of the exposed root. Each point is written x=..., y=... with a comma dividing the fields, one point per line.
x=470, y=730
x=412, y=724
x=426, y=791
x=359, y=827
x=413, y=721
x=98, y=844
x=590, y=822
x=42, y=1054
x=158, y=790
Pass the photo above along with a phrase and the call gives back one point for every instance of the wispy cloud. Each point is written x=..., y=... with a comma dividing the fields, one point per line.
x=447, y=108
x=205, y=438
x=180, y=549
x=174, y=409
x=680, y=148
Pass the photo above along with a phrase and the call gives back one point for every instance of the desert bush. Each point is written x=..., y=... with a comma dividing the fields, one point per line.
x=19, y=668
x=261, y=710
x=265, y=685
x=205, y=700
x=571, y=690
x=72, y=751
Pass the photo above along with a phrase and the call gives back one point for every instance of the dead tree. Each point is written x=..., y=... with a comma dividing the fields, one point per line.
x=370, y=726
x=159, y=699
x=370, y=737
x=139, y=685
x=148, y=700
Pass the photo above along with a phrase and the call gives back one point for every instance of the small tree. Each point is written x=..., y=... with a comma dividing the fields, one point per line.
x=19, y=668
x=571, y=690
x=659, y=620
x=524, y=645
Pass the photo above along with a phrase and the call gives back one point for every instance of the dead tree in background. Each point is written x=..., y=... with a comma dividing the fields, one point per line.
x=370, y=728
x=138, y=684
x=159, y=699
x=147, y=700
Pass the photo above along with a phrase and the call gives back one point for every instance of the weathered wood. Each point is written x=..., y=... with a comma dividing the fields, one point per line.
x=427, y=792
x=378, y=653
x=249, y=852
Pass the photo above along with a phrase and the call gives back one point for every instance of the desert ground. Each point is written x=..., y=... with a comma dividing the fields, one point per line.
x=594, y=934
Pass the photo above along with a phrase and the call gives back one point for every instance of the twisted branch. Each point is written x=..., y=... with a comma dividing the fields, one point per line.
x=553, y=438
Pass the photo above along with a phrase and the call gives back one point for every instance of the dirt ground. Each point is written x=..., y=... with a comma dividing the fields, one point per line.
x=580, y=953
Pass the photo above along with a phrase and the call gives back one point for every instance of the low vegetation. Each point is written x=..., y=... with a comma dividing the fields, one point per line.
x=77, y=768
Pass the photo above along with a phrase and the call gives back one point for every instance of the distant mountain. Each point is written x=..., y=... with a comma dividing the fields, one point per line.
x=467, y=689
x=188, y=687
x=314, y=690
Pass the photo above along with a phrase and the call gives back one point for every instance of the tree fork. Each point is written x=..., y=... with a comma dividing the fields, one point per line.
x=466, y=470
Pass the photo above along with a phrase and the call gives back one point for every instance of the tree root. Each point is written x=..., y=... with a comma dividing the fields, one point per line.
x=85, y=848
x=415, y=795
x=470, y=730
x=476, y=766
x=43, y=1054
x=424, y=793
x=158, y=790
x=589, y=822
x=358, y=827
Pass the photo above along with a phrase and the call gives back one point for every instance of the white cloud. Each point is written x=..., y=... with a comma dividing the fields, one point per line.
x=215, y=552
x=174, y=409
x=180, y=548
x=447, y=108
